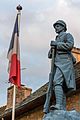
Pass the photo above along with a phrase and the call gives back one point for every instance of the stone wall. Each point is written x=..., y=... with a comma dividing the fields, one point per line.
x=35, y=114
x=73, y=101
x=76, y=53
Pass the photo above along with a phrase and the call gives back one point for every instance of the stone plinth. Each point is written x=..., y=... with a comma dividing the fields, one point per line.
x=62, y=115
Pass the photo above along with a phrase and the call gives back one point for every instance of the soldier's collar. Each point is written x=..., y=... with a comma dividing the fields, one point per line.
x=61, y=33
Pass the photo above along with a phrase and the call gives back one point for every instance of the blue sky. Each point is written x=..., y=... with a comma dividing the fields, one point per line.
x=36, y=32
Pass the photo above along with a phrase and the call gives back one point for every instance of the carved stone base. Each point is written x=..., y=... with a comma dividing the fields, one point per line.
x=62, y=115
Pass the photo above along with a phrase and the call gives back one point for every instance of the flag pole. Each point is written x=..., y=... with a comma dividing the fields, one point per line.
x=14, y=100
x=19, y=8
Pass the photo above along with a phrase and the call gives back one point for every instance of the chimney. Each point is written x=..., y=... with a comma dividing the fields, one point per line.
x=21, y=94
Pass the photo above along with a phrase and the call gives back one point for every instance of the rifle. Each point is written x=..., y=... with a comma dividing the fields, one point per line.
x=51, y=55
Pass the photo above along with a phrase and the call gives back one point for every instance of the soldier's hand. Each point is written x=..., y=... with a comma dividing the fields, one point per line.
x=50, y=54
x=53, y=43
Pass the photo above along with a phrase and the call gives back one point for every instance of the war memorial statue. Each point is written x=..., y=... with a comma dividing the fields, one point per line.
x=62, y=76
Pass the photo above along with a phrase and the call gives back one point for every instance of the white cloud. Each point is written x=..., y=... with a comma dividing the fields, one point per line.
x=75, y=1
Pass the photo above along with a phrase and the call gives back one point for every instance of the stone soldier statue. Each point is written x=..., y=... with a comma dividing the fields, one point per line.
x=64, y=77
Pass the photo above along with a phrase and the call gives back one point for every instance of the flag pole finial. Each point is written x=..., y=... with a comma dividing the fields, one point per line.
x=19, y=7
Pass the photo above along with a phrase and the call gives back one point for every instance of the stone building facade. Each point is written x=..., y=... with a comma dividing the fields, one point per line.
x=76, y=53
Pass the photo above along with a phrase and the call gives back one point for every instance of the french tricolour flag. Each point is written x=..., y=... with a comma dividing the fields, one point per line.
x=14, y=57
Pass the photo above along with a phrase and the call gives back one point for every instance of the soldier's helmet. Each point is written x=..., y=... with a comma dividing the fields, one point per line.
x=61, y=22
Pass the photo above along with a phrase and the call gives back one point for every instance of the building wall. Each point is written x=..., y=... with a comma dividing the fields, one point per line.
x=35, y=114
x=76, y=53
x=73, y=102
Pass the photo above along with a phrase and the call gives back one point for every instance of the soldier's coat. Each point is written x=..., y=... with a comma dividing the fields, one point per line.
x=63, y=59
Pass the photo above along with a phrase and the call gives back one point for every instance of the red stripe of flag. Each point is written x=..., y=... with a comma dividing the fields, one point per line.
x=14, y=57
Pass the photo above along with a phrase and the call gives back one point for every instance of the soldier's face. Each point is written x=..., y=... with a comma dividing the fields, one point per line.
x=59, y=28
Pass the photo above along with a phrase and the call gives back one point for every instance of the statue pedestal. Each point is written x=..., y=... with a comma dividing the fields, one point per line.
x=62, y=115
